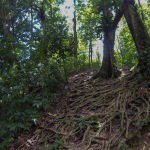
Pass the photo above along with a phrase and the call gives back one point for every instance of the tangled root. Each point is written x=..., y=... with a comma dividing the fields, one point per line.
x=101, y=115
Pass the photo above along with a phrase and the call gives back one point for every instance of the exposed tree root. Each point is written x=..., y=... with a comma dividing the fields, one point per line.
x=94, y=115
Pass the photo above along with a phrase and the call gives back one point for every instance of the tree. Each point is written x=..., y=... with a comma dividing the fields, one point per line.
x=52, y=33
x=87, y=26
x=141, y=39
x=33, y=38
x=109, y=26
x=75, y=33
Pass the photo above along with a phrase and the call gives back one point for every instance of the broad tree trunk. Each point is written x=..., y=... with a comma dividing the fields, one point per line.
x=108, y=68
x=141, y=39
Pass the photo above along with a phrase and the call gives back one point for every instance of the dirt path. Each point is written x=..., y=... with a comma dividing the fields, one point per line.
x=92, y=115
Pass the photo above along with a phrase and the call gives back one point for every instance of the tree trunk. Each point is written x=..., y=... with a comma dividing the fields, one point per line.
x=52, y=22
x=91, y=48
x=75, y=33
x=90, y=51
x=31, y=28
x=141, y=39
x=110, y=22
x=89, y=55
x=107, y=69
x=5, y=21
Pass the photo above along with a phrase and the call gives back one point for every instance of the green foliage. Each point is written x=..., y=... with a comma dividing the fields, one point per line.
x=82, y=64
x=25, y=91
x=28, y=88
x=123, y=146
x=126, y=51
x=36, y=57
x=30, y=79
x=84, y=122
x=57, y=145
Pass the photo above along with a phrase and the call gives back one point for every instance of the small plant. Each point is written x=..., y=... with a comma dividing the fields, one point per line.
x=124, y=146
x=83, y=122
x=25, y=93
x=57, y=145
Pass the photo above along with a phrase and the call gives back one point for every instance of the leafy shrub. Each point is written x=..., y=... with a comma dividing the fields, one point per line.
x=26, y=90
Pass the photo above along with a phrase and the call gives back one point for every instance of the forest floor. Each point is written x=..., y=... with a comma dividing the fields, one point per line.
x=94, y=115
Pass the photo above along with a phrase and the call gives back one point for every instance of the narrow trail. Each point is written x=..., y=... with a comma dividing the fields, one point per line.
x=94, y=115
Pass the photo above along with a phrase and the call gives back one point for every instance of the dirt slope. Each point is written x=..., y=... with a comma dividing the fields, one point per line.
x=94, y=115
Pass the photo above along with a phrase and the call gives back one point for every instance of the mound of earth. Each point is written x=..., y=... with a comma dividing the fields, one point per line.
x=94, y=115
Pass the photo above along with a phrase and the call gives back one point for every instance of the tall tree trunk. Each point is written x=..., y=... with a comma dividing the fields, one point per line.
x=31, y=28
x=13, y=28
x=107, y=69
x=121, y=53
x=108, y=43
x=89, y=55
x=8, y=32
x=90, y=51
x=52, y=21
x=141, y=39
x=75, y=32
x=41, y=12
x=5, y=20
x=91, y=48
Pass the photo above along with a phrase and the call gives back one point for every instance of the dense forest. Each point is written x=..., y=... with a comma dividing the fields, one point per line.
x=58, y=92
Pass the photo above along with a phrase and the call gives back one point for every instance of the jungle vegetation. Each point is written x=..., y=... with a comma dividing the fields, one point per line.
x=39, y=50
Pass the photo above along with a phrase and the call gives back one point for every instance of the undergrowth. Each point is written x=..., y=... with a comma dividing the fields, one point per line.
x=56, y=145
x=27, y=89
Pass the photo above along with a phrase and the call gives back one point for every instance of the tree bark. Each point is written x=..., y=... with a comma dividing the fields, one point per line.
x=31, y=27
x=141, y=39
x=107, y=69
x=90, y=51
x=52, y=21
x=75, y=33
x=5, y=21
